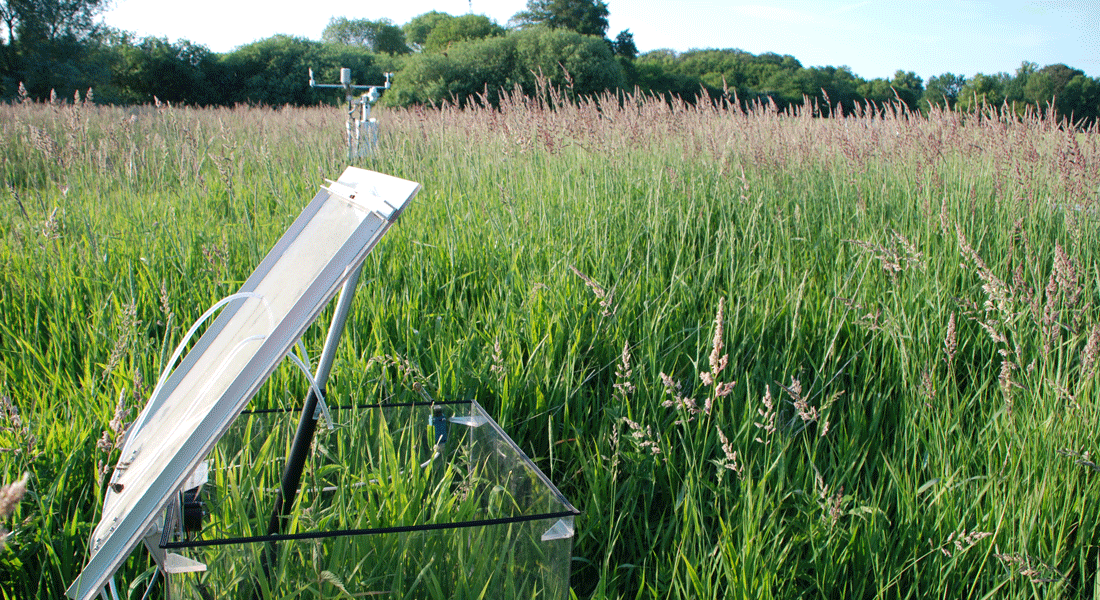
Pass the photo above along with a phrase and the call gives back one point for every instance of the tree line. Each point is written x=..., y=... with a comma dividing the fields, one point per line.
x=57, y=46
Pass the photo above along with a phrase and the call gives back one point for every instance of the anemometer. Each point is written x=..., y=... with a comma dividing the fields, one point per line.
x=360, y=123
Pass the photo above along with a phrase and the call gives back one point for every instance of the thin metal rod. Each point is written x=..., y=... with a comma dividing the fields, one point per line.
x=152, y=582
x=351, y=132
x=336, y=330
x=307, y=424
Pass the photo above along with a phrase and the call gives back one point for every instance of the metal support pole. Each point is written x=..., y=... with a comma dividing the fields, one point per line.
x=352, y=129
x=307, y=424
x=354, y=124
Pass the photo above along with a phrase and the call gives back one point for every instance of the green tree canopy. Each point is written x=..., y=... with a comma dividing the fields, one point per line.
x=1060, y=74
x=624, y=45
x=905, y=86
x=1046, y=84
x=1014, y=89
x=1080, y=99
x=490, y=65
x=983, y=90
x=461, y=29
x=1040, y=89
x=379, y=36
x=588, y=17
x=943, y=90
x=764, y=77
x=658, y=72
x=174, y=72
x=420, y=27
x=50, y=20
x=51, y=45
x=908, y=87
x=274, y=71
x=876, y=91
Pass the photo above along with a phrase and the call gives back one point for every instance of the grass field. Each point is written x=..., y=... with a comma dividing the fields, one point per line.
x=768, y=355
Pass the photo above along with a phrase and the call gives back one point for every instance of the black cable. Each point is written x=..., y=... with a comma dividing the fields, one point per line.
x=356, y=532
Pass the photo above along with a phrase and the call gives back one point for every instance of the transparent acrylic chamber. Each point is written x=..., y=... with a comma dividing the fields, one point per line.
x=409, y=500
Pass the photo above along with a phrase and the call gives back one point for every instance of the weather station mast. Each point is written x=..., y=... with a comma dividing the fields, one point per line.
x=360, y=124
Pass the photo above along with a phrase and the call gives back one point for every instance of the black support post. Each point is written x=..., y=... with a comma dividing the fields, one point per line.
x=307, y=426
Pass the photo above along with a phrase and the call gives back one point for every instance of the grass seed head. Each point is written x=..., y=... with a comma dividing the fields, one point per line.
x=717, y=359
x=767, y=417
x=497, y=367
x=1030, y=567
x=962, y=541
x=10, y=497
x=644, y=439
x=623, y=372
x=605, y=297
x=11, y=422
x=1091, y=351
x=731, y=459
x=950, y=341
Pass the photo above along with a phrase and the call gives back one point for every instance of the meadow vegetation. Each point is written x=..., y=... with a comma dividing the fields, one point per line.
x=767, y=354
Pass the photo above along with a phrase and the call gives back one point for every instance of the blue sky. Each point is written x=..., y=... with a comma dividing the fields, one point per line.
x=872, y=37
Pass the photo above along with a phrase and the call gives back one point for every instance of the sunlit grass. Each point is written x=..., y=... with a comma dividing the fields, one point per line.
x=925, y=287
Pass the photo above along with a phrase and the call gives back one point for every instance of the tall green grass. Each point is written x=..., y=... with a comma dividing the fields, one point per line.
x=915, y=298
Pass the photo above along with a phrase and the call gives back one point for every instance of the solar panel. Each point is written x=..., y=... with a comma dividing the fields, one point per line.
x=194, y=406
